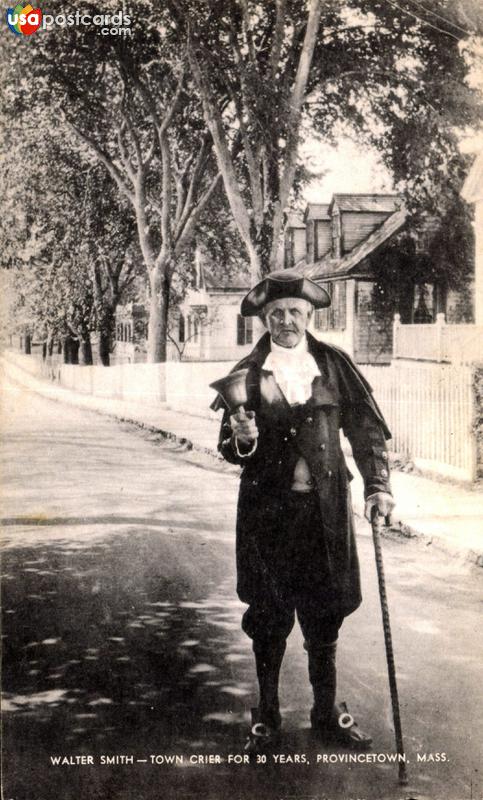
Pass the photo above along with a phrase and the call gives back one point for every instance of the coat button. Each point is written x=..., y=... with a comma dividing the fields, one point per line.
x=293, y=431
x=329, y=473
x=309, y=420
x=384, y=455
x=383, y=473
x=322, y=446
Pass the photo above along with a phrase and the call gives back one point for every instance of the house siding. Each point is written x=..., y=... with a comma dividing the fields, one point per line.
x=342, y=336
x=323, y=238
x=372, y=337
x=298, y=247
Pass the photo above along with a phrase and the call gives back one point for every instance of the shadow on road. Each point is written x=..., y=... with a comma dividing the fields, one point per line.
x=114, y=646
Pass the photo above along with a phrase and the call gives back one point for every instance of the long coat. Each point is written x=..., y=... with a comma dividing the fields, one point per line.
x=341, y=397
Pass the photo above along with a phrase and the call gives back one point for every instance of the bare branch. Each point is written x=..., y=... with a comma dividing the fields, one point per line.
x=150, y=154
x=124, y=154
x=135, y=140
x=247, y=29
x=104, y=159
x=168, y=116
x=193, y=219
x=215, y=125
x=278, y=33
x=297, y=99
x=196, y=176
x=244, y=108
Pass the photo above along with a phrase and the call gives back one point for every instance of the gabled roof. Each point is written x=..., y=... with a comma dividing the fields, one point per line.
x=295, y=220
x=473, y=186
x=316, y=211
x=382, y=203
x=350, y=264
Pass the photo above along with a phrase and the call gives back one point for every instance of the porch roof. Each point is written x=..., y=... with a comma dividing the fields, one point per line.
x=375, y=203
x=352, y=263
x=316, y=211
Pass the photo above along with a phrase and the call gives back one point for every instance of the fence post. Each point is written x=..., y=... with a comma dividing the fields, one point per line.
x=396, y=325
x=440, y=325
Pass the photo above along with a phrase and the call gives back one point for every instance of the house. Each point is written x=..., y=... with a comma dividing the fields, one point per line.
x=337, y=244
x=342, y=239
x=131, y=334
x=294, y=241
x=208, y=325
x=332, y=243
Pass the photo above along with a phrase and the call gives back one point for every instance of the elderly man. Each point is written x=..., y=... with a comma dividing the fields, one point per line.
x=296, y=550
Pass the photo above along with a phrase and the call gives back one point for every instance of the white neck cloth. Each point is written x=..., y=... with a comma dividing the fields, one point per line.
x=294, y=369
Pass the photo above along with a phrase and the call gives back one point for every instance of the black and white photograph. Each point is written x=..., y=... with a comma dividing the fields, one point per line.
x=241, y=418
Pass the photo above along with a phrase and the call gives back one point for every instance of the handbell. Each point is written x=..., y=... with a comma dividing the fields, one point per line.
x=233, y=390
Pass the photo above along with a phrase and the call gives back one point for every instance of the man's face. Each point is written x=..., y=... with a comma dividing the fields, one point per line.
x=287, y=320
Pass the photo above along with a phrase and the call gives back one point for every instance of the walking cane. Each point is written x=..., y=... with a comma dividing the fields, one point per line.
x=376, y=522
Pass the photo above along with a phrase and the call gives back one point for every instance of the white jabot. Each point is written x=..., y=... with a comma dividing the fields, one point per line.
x=294, y=369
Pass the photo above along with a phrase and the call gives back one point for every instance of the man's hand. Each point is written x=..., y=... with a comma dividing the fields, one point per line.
x=383, y=501
x=244, y=427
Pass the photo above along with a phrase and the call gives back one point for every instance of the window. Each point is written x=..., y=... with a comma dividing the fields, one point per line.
x=333, y=317
x=244, y=330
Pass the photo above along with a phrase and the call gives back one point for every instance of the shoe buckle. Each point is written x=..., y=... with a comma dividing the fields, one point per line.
x=345, y=720
x=260, y=730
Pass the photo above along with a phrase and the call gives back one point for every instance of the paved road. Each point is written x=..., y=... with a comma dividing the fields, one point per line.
x=121, y=634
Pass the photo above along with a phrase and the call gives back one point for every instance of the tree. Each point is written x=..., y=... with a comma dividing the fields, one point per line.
x=66, y=238
x=400, y=78
x=134, y=111
x=251, y=64
x=393, y=75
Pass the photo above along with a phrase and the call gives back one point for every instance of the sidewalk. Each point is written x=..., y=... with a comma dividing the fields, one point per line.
x=443, y=515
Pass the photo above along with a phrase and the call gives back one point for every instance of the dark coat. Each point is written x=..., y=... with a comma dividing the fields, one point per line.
x=341, y=397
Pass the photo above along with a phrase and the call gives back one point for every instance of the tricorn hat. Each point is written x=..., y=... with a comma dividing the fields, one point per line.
x=283, y=283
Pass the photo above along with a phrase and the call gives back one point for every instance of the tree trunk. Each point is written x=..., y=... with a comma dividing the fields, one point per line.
x=74, y=351
x=66, y=350
x=71, y=350
x=105, y=347
x=86, y=352
x=106, y=333
x=50, y=346
x=28, y=344
x=44, y=351
x=158, y=316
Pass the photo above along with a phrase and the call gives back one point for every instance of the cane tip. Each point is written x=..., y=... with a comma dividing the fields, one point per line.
x=403, y=779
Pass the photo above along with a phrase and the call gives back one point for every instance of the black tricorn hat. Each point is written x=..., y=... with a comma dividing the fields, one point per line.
x=283, y=283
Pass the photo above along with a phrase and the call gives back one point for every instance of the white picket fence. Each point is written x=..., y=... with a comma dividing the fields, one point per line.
x=438, y=341
x=429, y=409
